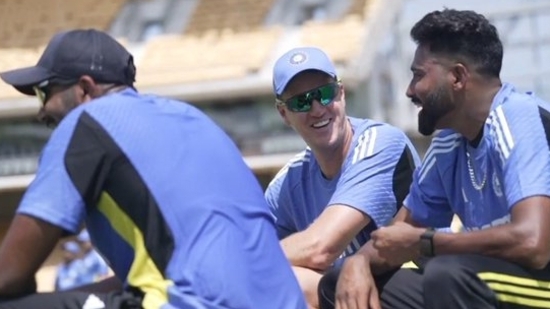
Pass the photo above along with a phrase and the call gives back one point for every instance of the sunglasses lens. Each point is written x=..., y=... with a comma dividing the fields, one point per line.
x=327, y=94
x=303, y=102
x=40, y=94
x=300, y=103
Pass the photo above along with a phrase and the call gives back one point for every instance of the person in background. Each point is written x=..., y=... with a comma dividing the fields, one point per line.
x=68, y=272
x=94, y=268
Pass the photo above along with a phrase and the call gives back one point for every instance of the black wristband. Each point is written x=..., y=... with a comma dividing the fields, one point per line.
x=427, y=243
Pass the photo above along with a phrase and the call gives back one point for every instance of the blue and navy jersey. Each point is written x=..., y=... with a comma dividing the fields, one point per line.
x=374, y=179
x=168, y=202
x=481, y=184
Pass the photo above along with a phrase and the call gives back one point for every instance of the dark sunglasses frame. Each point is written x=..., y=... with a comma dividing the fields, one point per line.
x=42, y=90
x=303, y=102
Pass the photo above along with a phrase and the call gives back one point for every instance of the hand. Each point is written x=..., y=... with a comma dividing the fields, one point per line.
x=397, y=243
x=356, y=288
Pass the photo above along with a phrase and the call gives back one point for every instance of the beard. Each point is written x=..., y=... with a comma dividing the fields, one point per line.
x=436, y=105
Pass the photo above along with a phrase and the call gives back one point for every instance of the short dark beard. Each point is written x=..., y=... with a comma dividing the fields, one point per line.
x=69, y=100
x=436, y=105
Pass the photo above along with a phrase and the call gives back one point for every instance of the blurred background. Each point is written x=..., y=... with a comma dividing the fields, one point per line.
x=218, y=55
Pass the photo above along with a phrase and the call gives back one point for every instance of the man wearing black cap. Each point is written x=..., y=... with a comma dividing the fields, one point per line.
x=165, y=194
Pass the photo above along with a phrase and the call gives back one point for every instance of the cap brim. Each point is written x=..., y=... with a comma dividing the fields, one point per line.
x=24, y=79
x=291, y=76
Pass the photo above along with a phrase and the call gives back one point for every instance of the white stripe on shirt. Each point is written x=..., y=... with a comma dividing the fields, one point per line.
x=365, y=145
x=439, y=145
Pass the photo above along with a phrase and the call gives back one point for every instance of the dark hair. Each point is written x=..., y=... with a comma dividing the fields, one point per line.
x=463, y=34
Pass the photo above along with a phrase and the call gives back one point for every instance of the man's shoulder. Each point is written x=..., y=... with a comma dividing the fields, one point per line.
x=293, y=170
x=446, y=134
x=129, y=102
x=372, y=137
x=444, y=142
x=516, y=102
x=369, y=126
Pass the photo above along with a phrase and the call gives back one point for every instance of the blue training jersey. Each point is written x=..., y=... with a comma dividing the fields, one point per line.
x=374, y=179
x=481, y=184
x=168, y=202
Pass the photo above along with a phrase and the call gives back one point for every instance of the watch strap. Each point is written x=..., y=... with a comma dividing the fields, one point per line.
x=427, y=243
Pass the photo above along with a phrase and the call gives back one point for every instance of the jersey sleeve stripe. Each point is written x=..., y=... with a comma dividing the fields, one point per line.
x=372, y=141
x=365, y=145
x=431, y=158
x=507, y=141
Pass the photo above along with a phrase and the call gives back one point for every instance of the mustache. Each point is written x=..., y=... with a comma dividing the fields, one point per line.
x=416, y=100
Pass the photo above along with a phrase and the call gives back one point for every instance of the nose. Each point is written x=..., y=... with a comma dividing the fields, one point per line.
x=410, y=92
x=317, y=109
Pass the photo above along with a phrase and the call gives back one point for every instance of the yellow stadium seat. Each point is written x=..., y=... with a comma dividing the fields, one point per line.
x=31, y=23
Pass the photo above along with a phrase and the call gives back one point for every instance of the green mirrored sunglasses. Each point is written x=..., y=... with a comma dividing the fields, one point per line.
x=303, y=102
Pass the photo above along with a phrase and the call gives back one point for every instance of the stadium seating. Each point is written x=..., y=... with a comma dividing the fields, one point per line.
x=220, y=42
x=237, y=15
x=341, y=40
x=30, y=23
x=214, y=55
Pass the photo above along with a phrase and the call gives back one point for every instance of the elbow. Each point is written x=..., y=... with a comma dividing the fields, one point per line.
x=534, y=251
x=538, y=257
x=323, y=255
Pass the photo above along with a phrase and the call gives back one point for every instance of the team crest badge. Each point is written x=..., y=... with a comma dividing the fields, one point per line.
x=298, y=58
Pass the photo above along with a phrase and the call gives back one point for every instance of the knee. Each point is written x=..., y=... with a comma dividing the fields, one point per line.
x=445, y=270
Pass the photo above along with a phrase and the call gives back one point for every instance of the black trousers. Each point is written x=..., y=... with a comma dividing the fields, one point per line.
x=455, y=282
x=74, y=300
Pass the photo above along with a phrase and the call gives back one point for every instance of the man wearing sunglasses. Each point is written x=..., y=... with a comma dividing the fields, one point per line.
x=165, y=194
x=348, y=182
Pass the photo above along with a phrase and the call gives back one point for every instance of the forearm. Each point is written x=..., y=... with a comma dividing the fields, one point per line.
x=507, y=242
x=301, y=250
x=318, y=246
x=295, y=250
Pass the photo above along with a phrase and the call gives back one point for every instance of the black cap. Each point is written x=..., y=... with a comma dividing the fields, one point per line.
x=71, y=54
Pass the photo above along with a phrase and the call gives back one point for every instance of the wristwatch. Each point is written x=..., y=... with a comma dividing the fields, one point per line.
x=427, y=243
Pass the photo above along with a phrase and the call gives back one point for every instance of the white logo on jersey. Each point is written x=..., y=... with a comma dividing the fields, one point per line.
x=93, y=302
x=496, y=185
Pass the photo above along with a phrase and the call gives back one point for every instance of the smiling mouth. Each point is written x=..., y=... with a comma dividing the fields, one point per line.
x=320, y=124
x=417, y=103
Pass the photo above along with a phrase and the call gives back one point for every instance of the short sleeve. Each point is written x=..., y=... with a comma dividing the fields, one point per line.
x=519, y=131
x=52, y=196
x=278, y=201
x=382, y=164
